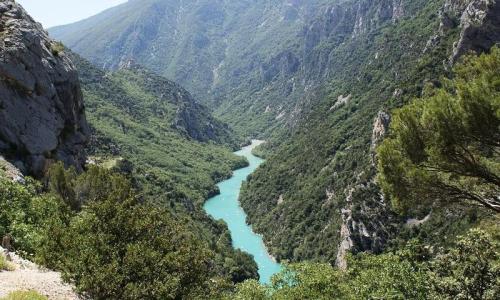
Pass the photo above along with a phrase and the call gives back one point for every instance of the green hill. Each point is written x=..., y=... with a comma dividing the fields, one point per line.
x=320, y=184
x=174, y=144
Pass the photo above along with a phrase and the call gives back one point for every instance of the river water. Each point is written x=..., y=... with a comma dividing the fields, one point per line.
x=227, y=207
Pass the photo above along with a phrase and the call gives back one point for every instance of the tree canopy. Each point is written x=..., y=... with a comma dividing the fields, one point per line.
x=468, y=270
x=444, y=148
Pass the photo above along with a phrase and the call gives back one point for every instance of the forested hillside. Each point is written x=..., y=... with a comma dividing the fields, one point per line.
x=253, y=62
x=172, y=143
x=155, y=154
x=440, y=158
x=319, y=185
x=173, y=151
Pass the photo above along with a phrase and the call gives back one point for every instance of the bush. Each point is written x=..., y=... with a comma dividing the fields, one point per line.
x=57, y=48
x=125, y=250
x=468, y=270
x=5, y=265
x=471, y=270
x=117, y=247
x=24, y=213
x=111, y=245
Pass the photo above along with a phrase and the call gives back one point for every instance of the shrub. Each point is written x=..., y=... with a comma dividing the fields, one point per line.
x=5, y=265
x=470, y=270
x=57, y=48
x=24, y=212
x=117, y=247
x=121, y=249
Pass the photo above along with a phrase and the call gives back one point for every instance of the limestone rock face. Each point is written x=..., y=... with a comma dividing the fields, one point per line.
x=480, y=24
x=338, y=21
x=42, y=116
x=380, y=127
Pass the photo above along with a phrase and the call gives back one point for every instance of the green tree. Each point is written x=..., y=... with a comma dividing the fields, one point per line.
x=444, y=148
x=117, y=247
x=386, y=276
x=295, y=281
x=94, y=184
x=24, y=212
x=120, y=249
x=250, y=289
x=241, y=266
x=308, y=281
x=470, y=270
x=61, y=182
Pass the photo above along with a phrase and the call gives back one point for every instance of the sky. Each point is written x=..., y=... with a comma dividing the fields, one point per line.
x=59, y=12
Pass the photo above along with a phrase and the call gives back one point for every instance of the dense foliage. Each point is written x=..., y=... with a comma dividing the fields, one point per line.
x=113, y=245
x=469, y=270
x=130, y=251
x=445, y=148
x=116, y=247
x=23, y=213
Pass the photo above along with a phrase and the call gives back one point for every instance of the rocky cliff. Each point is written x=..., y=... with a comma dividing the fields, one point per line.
x=479, y=23
x=42, y=115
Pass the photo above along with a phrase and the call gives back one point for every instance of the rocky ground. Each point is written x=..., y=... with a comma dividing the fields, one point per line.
x=28, y=276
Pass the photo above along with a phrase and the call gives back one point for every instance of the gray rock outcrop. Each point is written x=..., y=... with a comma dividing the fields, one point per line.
x=480, y=23
x=42, y=116
x=380, y=128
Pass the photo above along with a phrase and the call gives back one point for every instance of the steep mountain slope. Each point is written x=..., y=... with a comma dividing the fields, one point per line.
x=174, y=144
x=42, y=115
x=154, y=132
x=226, y=52
x=319, y=186
x=259, y=64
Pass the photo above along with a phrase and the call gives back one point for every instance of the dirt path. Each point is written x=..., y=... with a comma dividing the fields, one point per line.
x=28, y=276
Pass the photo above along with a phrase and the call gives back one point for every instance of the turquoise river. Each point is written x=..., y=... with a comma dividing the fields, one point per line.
x=227, y=207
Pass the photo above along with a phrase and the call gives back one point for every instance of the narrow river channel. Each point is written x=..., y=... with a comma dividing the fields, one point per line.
x=227, y=207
